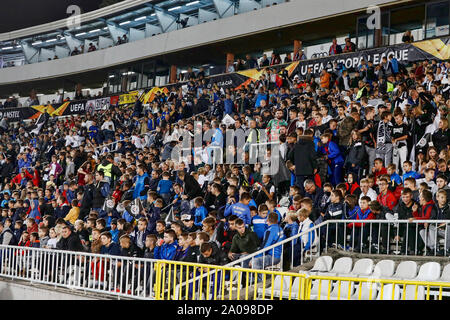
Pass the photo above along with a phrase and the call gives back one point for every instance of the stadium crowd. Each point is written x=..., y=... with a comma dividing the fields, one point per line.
x=369, y=143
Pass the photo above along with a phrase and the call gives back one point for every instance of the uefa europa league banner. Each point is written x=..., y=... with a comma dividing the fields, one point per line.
x=405, y=53
x=56, y=110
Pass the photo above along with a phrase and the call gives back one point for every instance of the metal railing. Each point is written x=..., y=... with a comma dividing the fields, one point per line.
x=104, y=274
x=399, y=237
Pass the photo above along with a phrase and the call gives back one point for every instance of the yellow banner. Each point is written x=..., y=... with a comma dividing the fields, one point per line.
x=150, y=95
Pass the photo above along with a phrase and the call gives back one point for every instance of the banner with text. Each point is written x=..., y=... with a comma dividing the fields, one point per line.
x=405, y=53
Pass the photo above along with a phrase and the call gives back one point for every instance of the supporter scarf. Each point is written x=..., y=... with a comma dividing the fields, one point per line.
x=382, y=135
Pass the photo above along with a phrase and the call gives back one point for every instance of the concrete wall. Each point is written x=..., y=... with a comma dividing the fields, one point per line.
x=10, y=290
x=281, y=15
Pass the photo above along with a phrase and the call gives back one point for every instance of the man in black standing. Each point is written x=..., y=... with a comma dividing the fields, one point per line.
x=304, y=158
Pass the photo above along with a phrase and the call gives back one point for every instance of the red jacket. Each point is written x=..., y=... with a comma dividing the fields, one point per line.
x=379, y=173
x=387, y=200
x=352, y=188
x=36, y=179
x=32, y=229
x=18, y=178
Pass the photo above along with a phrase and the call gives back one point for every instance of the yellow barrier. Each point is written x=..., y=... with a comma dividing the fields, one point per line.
x=178, y=280
x=192, y=281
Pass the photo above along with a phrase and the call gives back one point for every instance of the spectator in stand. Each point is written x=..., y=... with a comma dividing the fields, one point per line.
x=75, y=51
x=432, y=231
x=424, y=211
x=325, y=79
x=288, y=58
x=275, y=59
x=108, y=246
x=407, y=37
x=386, y=198
x=250, y=62
x=349, y=46
x=272, y=236
x=244, y=242
x=264, y=61
x=70, y=240
x=91, y=47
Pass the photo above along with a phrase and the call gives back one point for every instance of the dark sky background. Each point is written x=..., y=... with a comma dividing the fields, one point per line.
x=19, y=14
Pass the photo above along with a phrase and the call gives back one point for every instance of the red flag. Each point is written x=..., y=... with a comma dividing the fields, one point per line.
x=278, y=81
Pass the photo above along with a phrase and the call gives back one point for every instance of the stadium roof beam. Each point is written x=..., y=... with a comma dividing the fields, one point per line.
x=166, y=19
x=225, y=8
x=116, y=31
x=248, y=5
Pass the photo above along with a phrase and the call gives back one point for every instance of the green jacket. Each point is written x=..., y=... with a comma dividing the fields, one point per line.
x=248, y=242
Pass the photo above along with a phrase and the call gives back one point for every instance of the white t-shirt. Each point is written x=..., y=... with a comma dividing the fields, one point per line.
x=52, y=243
x=137, y=142
x=107, y=124
x=370, y=193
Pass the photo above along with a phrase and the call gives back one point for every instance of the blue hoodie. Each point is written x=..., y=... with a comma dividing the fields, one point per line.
x=34, y=213
x=166, y=251
x=396, y=178
x=331, y=149
x=228, y=106
x=140, y=186
x=411, y=174
x=240, y=210
x=259, y=226
x=290, y=230
x=353, y=214
x=200, y=214
x=394, y=65
x=259, y=98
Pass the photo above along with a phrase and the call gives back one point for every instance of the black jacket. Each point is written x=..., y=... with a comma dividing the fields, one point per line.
x=86, y=202
x=98, y=199
x=304, y=157
x=217, y=257
x=403, y=211
x=188, y=255
x=191, y=187
x=441, y=139
x=356, y=155
x=132, y=251
x=442, y=213
x=71, y=243
x=7, y=169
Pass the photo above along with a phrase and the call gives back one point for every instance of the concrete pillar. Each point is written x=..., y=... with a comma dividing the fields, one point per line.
x=173, y=74
x=230, y=60
x=378, y=38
